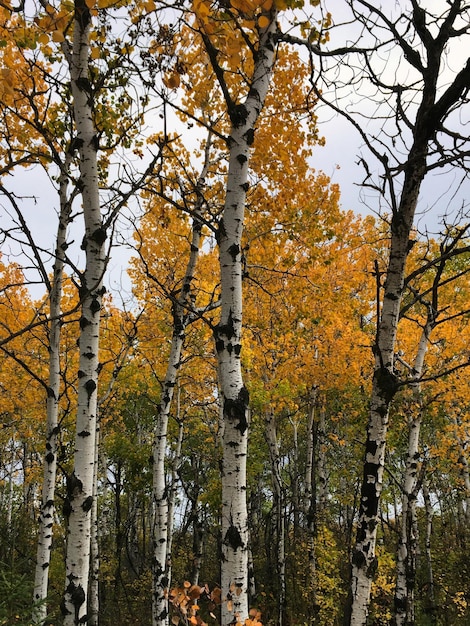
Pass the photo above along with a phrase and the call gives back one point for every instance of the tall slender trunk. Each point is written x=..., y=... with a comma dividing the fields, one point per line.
x=384, y=387
x=173, y=489
x=298, y=496
x=79, y=498
x=119, y=537
x=431, y=594
x=94, y=599
x=408, y=541
x=310, y=503
x=433, y=107
x=47, y=511
x=278, y=508
x=228, y=336
x=198, y=544
x=182, y=310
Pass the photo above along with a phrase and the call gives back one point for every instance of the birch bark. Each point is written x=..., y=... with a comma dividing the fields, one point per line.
x=384, y=387
x=431, y=608
x=433, y=107
x=47, y=511
x=407, y=543
x=278, y=506
x=463, y=444
x=228, y=337
x=94, y=599
x=310, y=500
x=79, y=498
x=182, y=309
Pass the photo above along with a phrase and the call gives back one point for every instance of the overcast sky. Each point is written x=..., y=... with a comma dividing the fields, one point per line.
x=338, y=159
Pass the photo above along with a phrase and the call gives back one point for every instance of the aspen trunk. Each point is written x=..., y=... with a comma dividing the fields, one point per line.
x=384, y=387
x=228, y=338
x=462, y=441
x=47, y=511
x=173, y=489
x=434, y=106
x=161, y=563
x=278, y=506
x=79, y=498
x=310, y=502
x=198, y=544
x=431, y=595
x=94, y=600
x=407, y=547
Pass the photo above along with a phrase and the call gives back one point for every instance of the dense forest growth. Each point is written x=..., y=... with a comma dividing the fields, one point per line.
x=270, y=424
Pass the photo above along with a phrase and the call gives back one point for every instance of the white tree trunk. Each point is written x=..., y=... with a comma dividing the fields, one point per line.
x=432, y=607
x=407, y=543
x=434, y=106
x=310, y=501
x=79, y=498
x=173, y=489
x=47, y=512
x=163, y=514
x=278, y=505
x=384, y=387
x=94, y=600
x=160, y=563
x=228, y=339
x=463, y=443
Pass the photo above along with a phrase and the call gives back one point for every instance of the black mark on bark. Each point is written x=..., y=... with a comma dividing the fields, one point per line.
x=233, y=538
x=87, y=504
x=90, y=387
x=236, y=410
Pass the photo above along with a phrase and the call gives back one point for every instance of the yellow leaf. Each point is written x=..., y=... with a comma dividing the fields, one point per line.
x=263, y=21
x=233, y=45
x=43, y=39
x=235, y=59
x=149, y=6
x=58, y=36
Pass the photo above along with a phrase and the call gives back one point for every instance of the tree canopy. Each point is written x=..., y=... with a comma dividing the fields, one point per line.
x=271, y=426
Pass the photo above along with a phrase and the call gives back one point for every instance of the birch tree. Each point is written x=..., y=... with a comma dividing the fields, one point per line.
x=47, y=512
x=437, y=314
x=234, y=398
x=240, y=33
x=183, y=310
x=422, y=120
x=79, y=498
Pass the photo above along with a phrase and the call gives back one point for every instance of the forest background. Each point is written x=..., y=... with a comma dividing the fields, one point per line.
x=187, y=133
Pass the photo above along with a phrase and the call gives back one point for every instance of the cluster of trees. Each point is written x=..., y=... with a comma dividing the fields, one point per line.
x=276, y=428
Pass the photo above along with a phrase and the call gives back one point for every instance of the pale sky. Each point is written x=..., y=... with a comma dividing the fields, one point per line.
x=338, y=160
